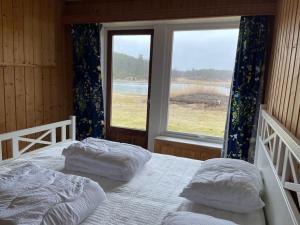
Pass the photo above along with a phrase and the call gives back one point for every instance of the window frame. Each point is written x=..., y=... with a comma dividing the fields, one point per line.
x=165, y=99
x=109, y=128
x=161, y=68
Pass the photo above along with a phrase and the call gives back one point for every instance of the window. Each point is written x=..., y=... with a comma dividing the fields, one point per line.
x=130, y=72
x=200, y=80
x=171, y=78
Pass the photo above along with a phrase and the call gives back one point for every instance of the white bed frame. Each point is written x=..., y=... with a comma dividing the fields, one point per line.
x=43, y=131
x=277, y=156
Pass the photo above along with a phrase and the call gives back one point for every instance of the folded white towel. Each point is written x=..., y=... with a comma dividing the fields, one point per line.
x=31, y=195
x=117, y=161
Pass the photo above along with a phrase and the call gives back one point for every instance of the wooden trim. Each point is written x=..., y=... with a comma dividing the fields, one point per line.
x=208, y=145
x=131, y=32
x=127, y=131
x=25, y=65
x=151, y=32
x=185, y=149
x=109, y=129
x=139, y=10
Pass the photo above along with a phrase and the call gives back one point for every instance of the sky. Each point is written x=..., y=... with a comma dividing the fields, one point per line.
x=198, y=49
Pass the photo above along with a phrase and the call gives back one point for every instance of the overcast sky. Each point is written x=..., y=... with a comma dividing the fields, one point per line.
x=209, y=49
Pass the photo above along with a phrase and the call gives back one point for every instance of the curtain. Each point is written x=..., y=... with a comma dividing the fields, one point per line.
x=247, y=88
x=87, y=85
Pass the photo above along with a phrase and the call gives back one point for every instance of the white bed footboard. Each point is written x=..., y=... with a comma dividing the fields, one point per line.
x=48, y=130
x=278, y=158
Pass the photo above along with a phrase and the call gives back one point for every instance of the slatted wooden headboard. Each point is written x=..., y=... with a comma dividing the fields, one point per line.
x=43, y=131
x=278, y=158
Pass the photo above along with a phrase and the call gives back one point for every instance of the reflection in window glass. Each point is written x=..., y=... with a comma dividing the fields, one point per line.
x=201, y=75
x=130, y=73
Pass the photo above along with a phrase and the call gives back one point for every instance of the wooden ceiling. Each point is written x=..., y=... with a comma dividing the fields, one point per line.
x=87, y=11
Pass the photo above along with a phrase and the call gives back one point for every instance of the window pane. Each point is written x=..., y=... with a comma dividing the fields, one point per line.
x=202, y=69
x=130, y=71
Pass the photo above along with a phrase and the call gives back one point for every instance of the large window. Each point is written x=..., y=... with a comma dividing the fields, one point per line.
x=130, y=80
x=201, y=75
x=171, y=79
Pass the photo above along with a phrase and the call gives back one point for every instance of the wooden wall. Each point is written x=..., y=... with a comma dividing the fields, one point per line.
x=35, y=83
x=283, y=92
x=87, y=11
x=187, y=149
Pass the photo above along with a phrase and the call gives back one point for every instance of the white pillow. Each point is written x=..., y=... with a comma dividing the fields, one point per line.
x=189, y=218
x=228, y=184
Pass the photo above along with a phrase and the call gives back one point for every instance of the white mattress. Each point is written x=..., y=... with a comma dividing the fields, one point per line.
x=148, y=197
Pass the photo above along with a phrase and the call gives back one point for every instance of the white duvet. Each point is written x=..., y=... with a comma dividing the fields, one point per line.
x=148, y=197
x=117, y=161
x=31, y=195
x=189, y=218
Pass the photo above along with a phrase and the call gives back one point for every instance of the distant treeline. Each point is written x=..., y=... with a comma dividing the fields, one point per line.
x=127, y=67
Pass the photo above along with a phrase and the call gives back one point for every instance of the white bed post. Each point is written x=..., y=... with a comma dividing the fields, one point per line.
x=73, y=128
x=53, y=136
x=15, y=147
x=63, y=133
x=259, y=126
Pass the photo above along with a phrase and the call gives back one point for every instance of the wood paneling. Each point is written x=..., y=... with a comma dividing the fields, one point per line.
x=136, y=10
x=283, y=92
x=129, y=136
x=35, y=78
x=187, y=150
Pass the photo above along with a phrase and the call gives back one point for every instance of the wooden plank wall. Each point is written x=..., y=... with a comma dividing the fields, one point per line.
x=89, y=11
x=35, y=78
x=186, y=150
x=283, y=92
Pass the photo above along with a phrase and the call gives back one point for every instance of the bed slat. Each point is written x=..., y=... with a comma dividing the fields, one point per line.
x=278, y=158
x=47, y=130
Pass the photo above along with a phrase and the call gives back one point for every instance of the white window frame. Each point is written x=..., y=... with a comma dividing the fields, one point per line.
x=161, y=68
x=165, y=100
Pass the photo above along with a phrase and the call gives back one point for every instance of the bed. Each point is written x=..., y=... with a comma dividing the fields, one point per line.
x=154, y=192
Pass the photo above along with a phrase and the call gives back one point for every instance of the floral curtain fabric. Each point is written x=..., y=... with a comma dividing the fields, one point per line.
x=246, y=91
x=87, y=86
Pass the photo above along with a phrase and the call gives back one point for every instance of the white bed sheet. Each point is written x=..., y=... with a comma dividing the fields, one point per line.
x=148, y=197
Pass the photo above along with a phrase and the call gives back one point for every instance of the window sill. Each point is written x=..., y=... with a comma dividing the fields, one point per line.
x=206, y=145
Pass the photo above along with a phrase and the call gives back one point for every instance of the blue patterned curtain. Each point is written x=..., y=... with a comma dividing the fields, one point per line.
x=246, y=91
x=87, y=86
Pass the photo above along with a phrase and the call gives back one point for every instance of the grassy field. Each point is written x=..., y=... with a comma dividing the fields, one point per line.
x=209, y=121
x=130, y=111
